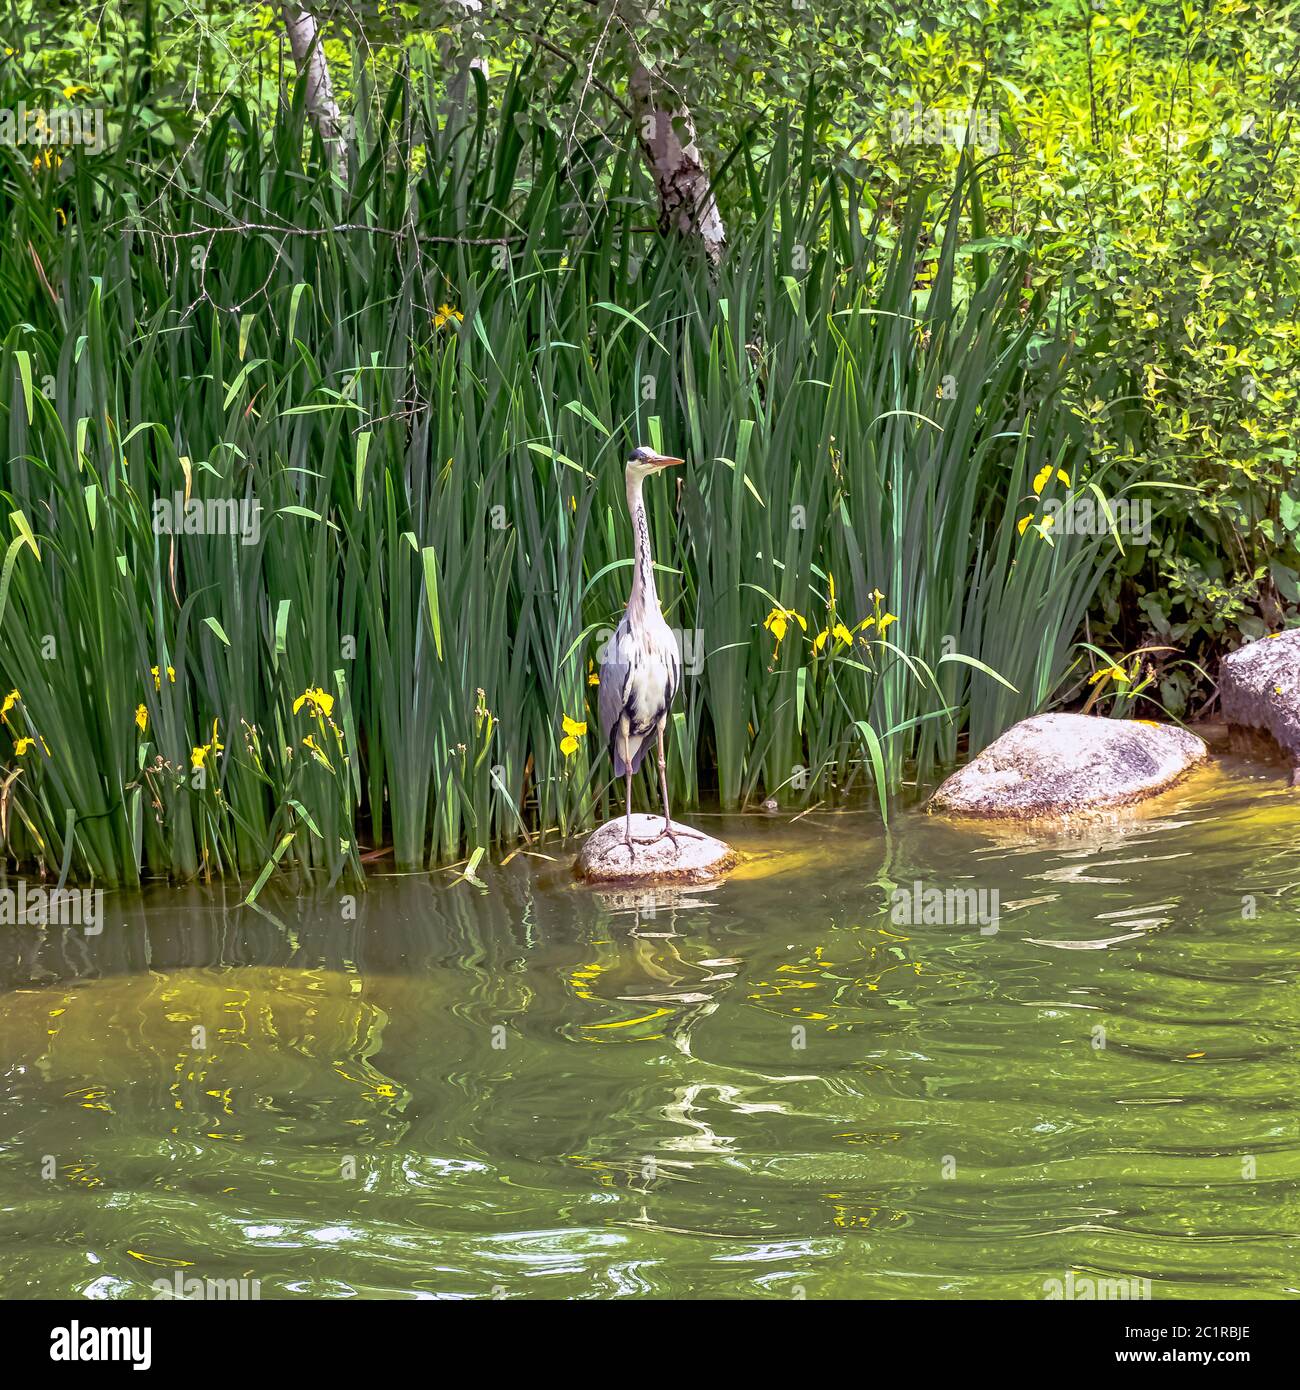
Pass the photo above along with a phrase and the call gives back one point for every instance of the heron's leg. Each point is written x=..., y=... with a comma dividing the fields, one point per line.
x=663, y=786
x=627, y=824
x=663, y=783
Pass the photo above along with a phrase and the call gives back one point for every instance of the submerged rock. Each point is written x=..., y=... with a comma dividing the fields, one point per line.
x=1069, y=764
x=695, y=858
x=1259, y=689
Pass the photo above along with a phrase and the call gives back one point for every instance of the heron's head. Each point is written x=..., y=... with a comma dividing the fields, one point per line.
x=643, y=461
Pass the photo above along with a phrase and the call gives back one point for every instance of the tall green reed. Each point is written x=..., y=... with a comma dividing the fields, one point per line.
x=423, y=386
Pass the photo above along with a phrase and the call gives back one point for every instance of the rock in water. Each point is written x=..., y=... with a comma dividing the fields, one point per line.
x=1259, y=688
x=1069, y=764
x=695, y=858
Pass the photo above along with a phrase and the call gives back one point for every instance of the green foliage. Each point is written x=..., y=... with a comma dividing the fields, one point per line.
x=1182, y=300
x=1038, y=249
x=427, y=384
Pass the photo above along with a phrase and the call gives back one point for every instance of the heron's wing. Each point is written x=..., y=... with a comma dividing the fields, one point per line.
x=615, y=678
x=673, y=661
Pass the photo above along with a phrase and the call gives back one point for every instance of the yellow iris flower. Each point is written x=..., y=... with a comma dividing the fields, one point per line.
x=1042, y=528
x=574, y=729
x=838, y=631
x=1044, y=473
x=320, y=701
x=777, y=622
x=198, y=756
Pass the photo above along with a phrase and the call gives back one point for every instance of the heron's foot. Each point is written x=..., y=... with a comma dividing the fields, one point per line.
x=669, y=833
x=630, y=842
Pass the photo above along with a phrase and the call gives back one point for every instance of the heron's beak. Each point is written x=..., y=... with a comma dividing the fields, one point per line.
x=667, y=461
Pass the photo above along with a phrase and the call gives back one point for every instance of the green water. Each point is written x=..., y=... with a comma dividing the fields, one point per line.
x=770, y=1088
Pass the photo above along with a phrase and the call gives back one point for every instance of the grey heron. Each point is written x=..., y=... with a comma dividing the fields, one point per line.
x=641, y=666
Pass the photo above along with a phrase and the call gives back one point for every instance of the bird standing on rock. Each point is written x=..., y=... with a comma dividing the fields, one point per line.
x=641, y=666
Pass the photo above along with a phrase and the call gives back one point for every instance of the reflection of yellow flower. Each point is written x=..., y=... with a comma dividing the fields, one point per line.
x=141, y=718
x=583, y=978
x=9, y=702
x=319, y=701
x=445, y=315
x=157, y=679
x=574, y=729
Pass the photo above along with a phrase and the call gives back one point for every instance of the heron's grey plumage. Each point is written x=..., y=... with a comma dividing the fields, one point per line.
x=639, y=677
x=615, y=666
x=640, y=666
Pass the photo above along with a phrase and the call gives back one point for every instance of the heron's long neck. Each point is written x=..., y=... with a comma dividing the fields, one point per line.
x=644, y=599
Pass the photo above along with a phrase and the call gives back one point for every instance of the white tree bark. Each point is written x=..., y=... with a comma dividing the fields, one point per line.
x=308, y=47
x=666, y=134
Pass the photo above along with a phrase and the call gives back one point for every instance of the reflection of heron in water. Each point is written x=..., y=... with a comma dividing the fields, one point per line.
x=692, y=989
x=702, y=1097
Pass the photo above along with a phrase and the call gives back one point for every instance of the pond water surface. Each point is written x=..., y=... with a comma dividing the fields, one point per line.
x=774, y=1087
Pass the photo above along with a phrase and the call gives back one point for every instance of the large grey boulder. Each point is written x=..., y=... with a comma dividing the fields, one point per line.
x=695, y=858
x=1057, y=765
x=1259, y=689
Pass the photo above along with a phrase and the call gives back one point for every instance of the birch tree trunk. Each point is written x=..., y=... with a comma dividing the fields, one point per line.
x=666, y=134
x=308, y=47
